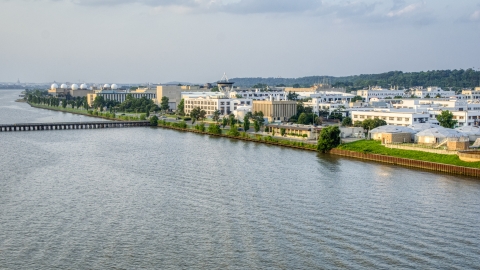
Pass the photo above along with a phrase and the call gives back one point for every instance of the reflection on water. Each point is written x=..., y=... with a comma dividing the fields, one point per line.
x=153, y=198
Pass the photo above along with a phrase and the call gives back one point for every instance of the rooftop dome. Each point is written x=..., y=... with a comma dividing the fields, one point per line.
x=114, y=86
x=422, y=126
x=442, y=133
x=469, y=130
x=74, y=86
x=392, y=129
x=63, y=86
x=83, y=86
x=54, y=86
x=106, y=85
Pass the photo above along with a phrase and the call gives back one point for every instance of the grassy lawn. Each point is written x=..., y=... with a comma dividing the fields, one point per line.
x=375, y=147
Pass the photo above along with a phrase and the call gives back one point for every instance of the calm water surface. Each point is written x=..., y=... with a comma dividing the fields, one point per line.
x=145, y=198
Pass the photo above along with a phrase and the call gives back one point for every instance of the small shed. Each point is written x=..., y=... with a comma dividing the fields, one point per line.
x=473, y=132
x=453, y=139
x=392, y=134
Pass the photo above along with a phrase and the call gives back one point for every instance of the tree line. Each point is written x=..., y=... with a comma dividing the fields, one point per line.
x=455, y=79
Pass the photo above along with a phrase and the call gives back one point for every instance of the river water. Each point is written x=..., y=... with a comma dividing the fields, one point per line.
x=147, y=198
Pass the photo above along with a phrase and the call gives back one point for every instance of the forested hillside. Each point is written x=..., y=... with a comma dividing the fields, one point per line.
x=456, y=79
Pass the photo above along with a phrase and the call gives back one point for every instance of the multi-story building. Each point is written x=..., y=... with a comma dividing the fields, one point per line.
x=431, y=92
x=379, y=93
x=174, y=93
x=472, y=94
x=397, y=117
x=119, y=95
x=275, y=110
x=212, y=103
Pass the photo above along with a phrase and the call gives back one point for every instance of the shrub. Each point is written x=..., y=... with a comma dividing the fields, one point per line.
x=143, y=116
x=233, y=131
x=154, y=121
x=187, y=118
x=214, y=129
x=200, y=127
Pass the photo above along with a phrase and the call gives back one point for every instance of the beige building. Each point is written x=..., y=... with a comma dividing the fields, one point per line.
x=275, y=110
x=174, y=93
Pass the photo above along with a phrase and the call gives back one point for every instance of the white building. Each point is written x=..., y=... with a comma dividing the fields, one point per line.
x=379, y=93
x=472, y=94
x=396, y=117
x=431, y=92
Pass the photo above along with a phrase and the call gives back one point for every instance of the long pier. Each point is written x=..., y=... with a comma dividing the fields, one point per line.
x=71, y=125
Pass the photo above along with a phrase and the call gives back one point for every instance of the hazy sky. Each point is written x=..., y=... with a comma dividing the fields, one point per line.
x=122, y=41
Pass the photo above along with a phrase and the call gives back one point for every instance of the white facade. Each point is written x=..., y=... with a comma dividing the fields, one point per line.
x=379, y=93
x=431, y=92
x=212, y=103
x=400, y=118
x=258, y=94
x=472, y=94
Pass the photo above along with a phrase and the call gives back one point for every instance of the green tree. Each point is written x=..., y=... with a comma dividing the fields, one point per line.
x=246, y=123
x=164, y=104
x=98, y=102
x=215, y=89
x=256, y=125
x=445, y=119
x=224, y=122
x=329, y=138
x=154, y=121
x=195, y=114
x=231, y=119
x=282, y=131
x=216, y=116
x=181, y=108
x=64, y=104
x=292, y=96
x=202, y=114
x=356, y=98
x=347, y=122
x=303, y=119
x=370, y=124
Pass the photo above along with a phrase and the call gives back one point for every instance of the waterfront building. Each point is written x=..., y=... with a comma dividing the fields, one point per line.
x=213, y=102
x=392, y=134
x=297, y=131
x=451, y=138
x=74, y=90
x=118, y=95
x=278, y=110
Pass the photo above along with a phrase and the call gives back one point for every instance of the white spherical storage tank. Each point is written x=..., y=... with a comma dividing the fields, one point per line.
x=83, y=86
x=54, y=86
x=63, y=86
x=74, y=87
x=106, y=85
x=114, y=86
